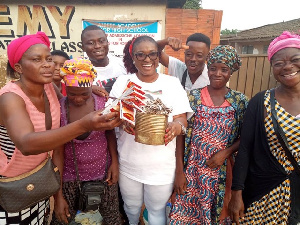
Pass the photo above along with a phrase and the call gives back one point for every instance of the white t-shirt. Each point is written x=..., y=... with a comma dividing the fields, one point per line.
x=151, y=164
x=176, y=68
x=106, y=76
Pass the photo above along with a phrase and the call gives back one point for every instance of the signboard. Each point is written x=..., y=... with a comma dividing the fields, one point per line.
x=118, y=33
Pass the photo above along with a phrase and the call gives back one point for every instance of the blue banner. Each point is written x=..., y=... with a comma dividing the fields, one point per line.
x=115, y=27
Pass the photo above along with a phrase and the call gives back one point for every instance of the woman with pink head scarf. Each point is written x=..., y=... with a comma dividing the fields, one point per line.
x=266, y=174
x=30, y=119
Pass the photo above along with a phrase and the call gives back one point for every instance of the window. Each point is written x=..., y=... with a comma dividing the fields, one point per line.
x=247, y=49
x=265, y=51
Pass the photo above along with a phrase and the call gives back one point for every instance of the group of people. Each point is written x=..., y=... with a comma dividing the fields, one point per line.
x=222, y=161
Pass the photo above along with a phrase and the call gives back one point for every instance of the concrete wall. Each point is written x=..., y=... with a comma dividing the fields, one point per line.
x=258, y=46
x=62, y=20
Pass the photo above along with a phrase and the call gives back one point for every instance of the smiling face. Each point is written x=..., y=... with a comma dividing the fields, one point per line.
x=58, y=63
x=95, y=44
x=195, y=57
x=36, y=64
x=146, y=67
x=78, y=96
x=219, y=75
x=286, y=66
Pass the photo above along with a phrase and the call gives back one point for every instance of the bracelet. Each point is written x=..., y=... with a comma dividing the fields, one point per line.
x=183, y=128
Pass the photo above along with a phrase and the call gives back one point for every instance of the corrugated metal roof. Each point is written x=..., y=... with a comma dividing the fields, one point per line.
x=266, y=31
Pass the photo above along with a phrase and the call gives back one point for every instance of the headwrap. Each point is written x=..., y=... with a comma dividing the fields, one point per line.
x=78, y=72
x=225, y=54
x=285, y=40
x=19, y=46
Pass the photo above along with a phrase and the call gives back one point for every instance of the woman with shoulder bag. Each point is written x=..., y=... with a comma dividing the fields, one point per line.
x=28, y=107
x=89, y=162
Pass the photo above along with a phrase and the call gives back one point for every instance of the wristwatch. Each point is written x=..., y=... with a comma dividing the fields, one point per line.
x=183, y=128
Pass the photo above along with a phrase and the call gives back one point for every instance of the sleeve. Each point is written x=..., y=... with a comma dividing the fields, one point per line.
x=180, y=102
x=241, y=165
x=176, y=68
x=241, y=111
x=118, y=87
x=121, y=66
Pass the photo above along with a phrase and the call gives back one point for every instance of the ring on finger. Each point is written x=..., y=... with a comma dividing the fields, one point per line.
x=173, y=134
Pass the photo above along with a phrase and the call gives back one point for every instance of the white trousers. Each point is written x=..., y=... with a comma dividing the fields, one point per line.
x=155, y=198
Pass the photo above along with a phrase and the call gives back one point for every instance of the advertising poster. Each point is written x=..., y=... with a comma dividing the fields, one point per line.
x=118, y=33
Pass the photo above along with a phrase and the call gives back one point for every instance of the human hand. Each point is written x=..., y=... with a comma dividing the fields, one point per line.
x=236, y=206
x=100, y=91
x=217, y=159
x=128, y=127
x=96, y=121
x=176, y=44
x=172, y=131
x=61, y=209
x=113, y=174
x=180, y=183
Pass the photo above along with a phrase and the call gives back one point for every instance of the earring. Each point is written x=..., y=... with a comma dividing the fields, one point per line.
x=133, y=62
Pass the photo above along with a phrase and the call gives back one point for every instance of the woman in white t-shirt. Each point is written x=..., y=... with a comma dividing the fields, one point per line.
x=147, y=172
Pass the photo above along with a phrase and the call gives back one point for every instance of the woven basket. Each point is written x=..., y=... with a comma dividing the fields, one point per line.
x=150, y=128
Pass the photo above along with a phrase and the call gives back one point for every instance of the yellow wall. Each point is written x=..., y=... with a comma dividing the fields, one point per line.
x=63, y=22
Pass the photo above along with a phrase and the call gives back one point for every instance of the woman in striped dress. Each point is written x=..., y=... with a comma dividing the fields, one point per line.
x=203, y=185
x=266, y=182
x=28, y=107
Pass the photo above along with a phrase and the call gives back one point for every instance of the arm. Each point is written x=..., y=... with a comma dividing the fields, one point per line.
x=61, y=206
x=100, y=91
x=180, y=180
x=174, y=43
x=113, y=171
x=164, y=58
x=219, y=158
x=14, y=117
x=240, y=169
x=174, y=128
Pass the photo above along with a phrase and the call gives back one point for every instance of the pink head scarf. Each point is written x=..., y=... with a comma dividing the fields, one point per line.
x=285, y=40
x=19, y=46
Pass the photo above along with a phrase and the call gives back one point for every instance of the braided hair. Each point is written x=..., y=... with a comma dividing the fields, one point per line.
x=130, y=46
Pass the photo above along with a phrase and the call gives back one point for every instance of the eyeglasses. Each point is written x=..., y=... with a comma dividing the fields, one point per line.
x=142, y=56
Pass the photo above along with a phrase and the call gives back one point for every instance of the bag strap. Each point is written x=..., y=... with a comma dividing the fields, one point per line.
x=73, y=148
x=280, y=134
x=47, y=115
x=183, y=80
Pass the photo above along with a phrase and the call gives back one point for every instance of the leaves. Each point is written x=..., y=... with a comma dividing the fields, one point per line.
x=192, y=4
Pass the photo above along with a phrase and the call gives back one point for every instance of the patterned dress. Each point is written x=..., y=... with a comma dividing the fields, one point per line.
x=212, y=128
x=274, y=207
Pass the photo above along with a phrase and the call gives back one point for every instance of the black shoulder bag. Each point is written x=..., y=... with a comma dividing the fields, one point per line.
x=295, y=175
x=91, y=192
